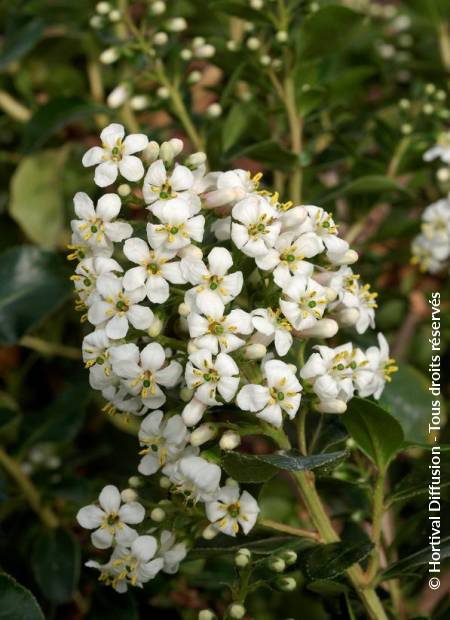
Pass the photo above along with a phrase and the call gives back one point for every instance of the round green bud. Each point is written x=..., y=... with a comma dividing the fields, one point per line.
x=158, y=515
x=289, y=556
x=277, y=565
x=241, y=560
x=236, y=610
x=286, y=584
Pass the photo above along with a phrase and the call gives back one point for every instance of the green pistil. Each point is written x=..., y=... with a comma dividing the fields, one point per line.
x=213, y=286
x=261, y=228
x=312, y=304
x=326, y=224
x=219, y=329
x=174, y=230
x=290, y=258
x=121, y=305
x=146, y=383
x=234, y=513
x=280, y=396
x=164, y=195
x=207, y=377
x=87, y=282
x=94, y=229
x=153, y=267
x=353, y=365
x=99, y=360
x=340, y=366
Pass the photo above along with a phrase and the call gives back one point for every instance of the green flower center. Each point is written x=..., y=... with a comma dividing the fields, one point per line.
x=280, y=396
x=121, y=305
x=174, y=230
x=99, y=360
x=87, y=282
x=290, y=258
x=312, y=304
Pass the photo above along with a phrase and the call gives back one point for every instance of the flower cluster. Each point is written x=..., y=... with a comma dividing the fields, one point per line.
x=201, y=306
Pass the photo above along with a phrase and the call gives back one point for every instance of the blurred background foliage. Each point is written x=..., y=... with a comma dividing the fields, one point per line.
x=361, y=158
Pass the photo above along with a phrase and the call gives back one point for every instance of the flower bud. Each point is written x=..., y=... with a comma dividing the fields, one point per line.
x=109, y=56
x=184, y=309
x=289, y=556
x=276, y=564
x=286, y=584
x=103, y=8
x=331, y=406
x=164, y=482
x=330, y=294
x=96, y=22
x=293, y=368
x=158, y=7
x=232, y=46
x=205, y=51
x=194, y=77
x=214, y=110
x=193, y=412
x=186, y=394
x=139, y=102
x=348, y=317
x=209, y=533
x=177, y=24
x=265, y=60
x=255, y=351
x=325, y=328
x=158, y=515
x=129, y=495
x=229, y=440
x=348, y=258
x=135, y=481
x=160, y=38
x=186, y=54
x=114, y=16
x=202, y=434
x=443, y=174
x=156, y=327
x=151, y=152
x=195, y=160
x=124, y=190
x=206, y=614
x=118, y=96
x=256, y=4
x=281, y=36
x=241, y=560
x=253, y=43
x=245, y=551
x=192, y=347
x=177, y=146
x=163, y=92
x=236, y=610
x=231, y=482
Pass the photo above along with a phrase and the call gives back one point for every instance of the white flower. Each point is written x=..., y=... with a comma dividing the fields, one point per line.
x=116, y=155
x=110, y=520
x=331, y=372
x=286, y=258
x=441, y=150
x=280, y=393
x=216, y=331
x=176, y=228
x=429, y=256
x=306, y=302
x=321, y=223
x=120, y=399
x=162, y=439
x=357, y=298
x=96, y=225
x=130, y=565
x=232, y=186
x=255, y=228
x=163, y=191
x=436, y=222
x=214, y=285
x=86, y=274
x=197, y=477
x=95, y=350
x=171, y=552
x=274, y=328
x=116, y=308
x=144, y=371
x=222, y=228
x=207, y=376
x=154, y=271
x=377, y=371
x=231, y=510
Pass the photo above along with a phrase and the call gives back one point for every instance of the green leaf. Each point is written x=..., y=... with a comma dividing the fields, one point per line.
x=9, y=423
x=370, y=184
x=415, y=484
x=270, y=152
x=293, y=460
x=328, y=31
x=309, y=101
x=247, y=468
x=235, y=125
x=55, y=561
x=328, y=588
x=258, y=546
x=407, y=398
x=37, y=202
x=375, y=431
x=411, y=562
x=33, y=283
x=329, y=561
x=16, y=602
x=21, y=42
x=239, y=9
x=52, y=117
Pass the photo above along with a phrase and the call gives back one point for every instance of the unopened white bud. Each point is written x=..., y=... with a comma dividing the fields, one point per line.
x=348, y=317
x=108, y=56
x=404, y=104
x=196, y=159
x=158, y=7
x=325, y=328
x=236, y=610
x=135, y=482
x=166, y=152
x=289, y=556
x=256, y=4
x=255, y=351
x=209, y=533
x=330, y=294
x=177, y=146
x=194, y=77
x=186, y=54
x=53, y=462
x=198, y=42
x=158, y=515
x=165, y=483
x=293, y=368
x=229, y=440
x=241, y=560
x=163, y=92
x=151, y=152
x=160, y=38
x=214, y=110
x=277, y=565
x=202, y=434
x=347, y=258
x=286, y=584
x=205, y=51
x=428, y=109
x=206, y=614
x=281, y=36
x=232, y=46
x=253, y=43
x=406, y=129
x=265, y=60
x=430, y=89
x=192, y=347
x=114, y=16
x=96, y=22
x=103, y=8
x=332, y=406
x=155, y=328
x=441, y=95
x=443, y=174
x=177, y=24
x=118, y=96
x=186, y=394
x=231, y=482
x=139, y=102
x=129, y=495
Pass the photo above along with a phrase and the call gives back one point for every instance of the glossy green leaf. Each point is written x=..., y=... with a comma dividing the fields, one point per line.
x=247, y=468
x=375, y=431
x=332, y=560
x=258, y=546
x=33, y=283
x=270, y=152
x=55, y=561
x=240, y=9
x=21, y=42
x=370, y=184
x=413, y=562
x=16, y=602
x=293, y=460
x=9, y=423
x=328, y=30
x=37, y=202
x=235, y=125
x=407, y=398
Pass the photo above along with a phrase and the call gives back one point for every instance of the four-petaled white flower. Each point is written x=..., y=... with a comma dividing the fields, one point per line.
x=232, y=186
x=305, y=302
x=207, y=376
x=196, y=477
x=117, y=308
x=154, y=271
x=116, y=155
x=286, y=258
x=164, y=190
x=280, y=393
x=272, y=326
x=216, y=332
x=86, y=274
x=441, y=150
x=110, y=519
x=162, y=440
x=176, y=228
x=377, y=371
x=231, y=510
x=96, y=225
x=322, y=225
x=171, y=552
x=144, y=371
x=255, y=227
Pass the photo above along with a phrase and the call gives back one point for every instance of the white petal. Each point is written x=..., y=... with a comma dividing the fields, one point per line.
x=219, y=261
x=117, y=327
x=140, y=317
x=195, y=227
x=90, y=517
x=132, y=512
x=271, y=414
x=134, y=278
x=134, y=143
x=83, y=205
x=105, y=173
x=93, y=156
x=225, y=365
x=252, y=397
x=109, y=499
x=136, y=250
x=112, y=134
x=144, y=548
x=156, y=174
x=153, y=356
x=157, y=289
x=131, y=168
x=172, y=272
x=210, y=304
x=118, y=231
x=227, y=387
x=169, y=376
x=108, y=207
x=182, y=178
x=102, y=538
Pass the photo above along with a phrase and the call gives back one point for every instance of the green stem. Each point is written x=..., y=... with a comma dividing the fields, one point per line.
x=14, y=108
x=28, y=489
x=397, y=157
x=50, y=348
x=301, y=431
x=166, y=341
x=296, y=135
x=288, y=529
x=377, y=518
x=444, y=42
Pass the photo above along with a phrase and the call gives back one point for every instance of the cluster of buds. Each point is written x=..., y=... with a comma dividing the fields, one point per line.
x=201, y=299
